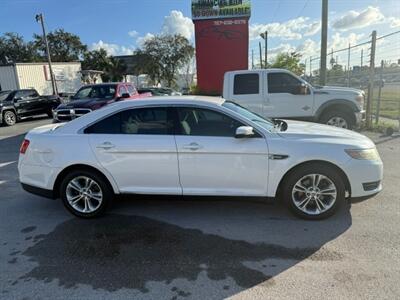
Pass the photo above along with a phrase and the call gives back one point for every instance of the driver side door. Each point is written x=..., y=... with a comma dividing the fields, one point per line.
x=212, y=161
x=284, y=98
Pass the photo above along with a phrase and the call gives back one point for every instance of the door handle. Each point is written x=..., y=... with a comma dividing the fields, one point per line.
x=192, y=146
x=106, y=146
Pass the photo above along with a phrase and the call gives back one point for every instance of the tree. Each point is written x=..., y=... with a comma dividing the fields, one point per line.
x=289, y=61
x=99, y=60
x=64, y=46
x=163, y=56
x=14, y=49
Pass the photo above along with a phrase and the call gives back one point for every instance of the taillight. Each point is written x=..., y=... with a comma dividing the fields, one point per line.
x=24, y=146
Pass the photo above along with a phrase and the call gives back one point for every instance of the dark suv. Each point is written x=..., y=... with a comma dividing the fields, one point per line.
x=18, y=104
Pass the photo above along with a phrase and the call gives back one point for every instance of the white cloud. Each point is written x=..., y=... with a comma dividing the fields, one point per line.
x=112, y=49
x=313, y=28
x=354, y=19
x=133, y=33
x=339, y=41
x=140, y=40
x=177, y=23
x=308, y=48
x=394, y=22
x=293, y=29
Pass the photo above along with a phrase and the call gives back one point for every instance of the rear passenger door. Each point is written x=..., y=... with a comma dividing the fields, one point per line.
x=247, y=91
x=137, y=147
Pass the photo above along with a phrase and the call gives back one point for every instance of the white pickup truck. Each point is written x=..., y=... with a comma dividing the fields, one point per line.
x=278, y=93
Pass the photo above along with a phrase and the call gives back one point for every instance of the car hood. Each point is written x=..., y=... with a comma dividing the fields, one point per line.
x=337, y=90
x=319, y=133
x=92, y=103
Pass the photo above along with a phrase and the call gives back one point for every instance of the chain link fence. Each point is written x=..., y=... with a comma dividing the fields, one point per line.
x=373, y=66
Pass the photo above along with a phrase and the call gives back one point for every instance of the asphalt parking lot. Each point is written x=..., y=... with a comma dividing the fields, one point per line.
x=173, y=248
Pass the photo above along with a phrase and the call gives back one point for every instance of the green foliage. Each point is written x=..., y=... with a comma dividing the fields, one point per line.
x=289, y=61
x=13, y=48
x=162, y=56
x=64, y=46
x=99, y=60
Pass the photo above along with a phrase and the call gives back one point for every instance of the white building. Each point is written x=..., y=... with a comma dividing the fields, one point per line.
x=37, y=76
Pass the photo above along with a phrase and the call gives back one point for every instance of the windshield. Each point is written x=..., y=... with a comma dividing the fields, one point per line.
x=101, y=92
x=4, y=95
x=263, y=122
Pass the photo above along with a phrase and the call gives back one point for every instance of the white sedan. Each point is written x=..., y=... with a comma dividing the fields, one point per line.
x=197, y=146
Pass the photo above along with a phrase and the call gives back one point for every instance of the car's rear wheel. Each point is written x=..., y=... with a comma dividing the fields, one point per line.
x=9, y=118
x=85, y=194
x=314, y=191
x=338, y=118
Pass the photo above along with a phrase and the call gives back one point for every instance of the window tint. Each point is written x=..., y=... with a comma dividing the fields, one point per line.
x=122, y=90
x=131, y=90
x=135, y=121
x=245, y=84
x=205, y=122
x=31, y=93
x=283, y=83
x=99, y=91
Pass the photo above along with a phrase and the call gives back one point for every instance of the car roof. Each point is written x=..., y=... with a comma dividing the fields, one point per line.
x=77, y=124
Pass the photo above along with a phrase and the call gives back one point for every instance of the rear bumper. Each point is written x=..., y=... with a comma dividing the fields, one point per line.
x=38, y=191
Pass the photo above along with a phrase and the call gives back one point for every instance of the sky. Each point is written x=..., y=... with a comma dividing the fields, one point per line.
x=120, y=26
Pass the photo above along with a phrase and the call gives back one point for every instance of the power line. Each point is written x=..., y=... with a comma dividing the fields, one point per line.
x=304, y=7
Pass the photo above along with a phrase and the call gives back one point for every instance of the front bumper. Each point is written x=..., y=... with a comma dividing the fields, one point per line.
x=365, y=177
x=360, y=116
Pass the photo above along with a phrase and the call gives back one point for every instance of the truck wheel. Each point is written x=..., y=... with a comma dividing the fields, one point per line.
x=9, y=118
x=337, y=118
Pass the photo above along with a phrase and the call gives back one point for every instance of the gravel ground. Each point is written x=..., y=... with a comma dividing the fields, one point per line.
x=195, y=248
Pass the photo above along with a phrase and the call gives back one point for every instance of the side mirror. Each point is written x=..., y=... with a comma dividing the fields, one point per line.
x=244, y=132
x=303, y=89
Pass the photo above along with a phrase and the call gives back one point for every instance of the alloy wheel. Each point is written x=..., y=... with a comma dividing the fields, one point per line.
x=337, y=122
x=314, y=194
x=9, y=118
x=84, y=194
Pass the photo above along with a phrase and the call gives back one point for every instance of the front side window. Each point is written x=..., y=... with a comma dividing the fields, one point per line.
x=135, y=121
x=246, y=84
x=283, y=83
x=131, y=90
x=205, y=122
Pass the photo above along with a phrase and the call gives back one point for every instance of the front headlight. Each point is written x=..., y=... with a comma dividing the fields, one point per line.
x=360, y=100
x=363, y=154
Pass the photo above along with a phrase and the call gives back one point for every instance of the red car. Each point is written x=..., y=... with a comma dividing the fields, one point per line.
x=94, y=96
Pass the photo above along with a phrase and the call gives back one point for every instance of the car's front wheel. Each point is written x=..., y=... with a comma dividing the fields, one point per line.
x=85, y=194
x=314, y=191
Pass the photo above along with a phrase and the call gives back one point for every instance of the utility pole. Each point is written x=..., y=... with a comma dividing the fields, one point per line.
x=252, y=58
x=264, y=35
x=324, y=41
x=40, y=18
x=371, y=79
x=261, y=63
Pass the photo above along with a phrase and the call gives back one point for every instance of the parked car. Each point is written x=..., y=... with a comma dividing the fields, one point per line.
x=95, y=96
x=197, y=146
x=160, y=91
x=18, y=104
x=279, y=93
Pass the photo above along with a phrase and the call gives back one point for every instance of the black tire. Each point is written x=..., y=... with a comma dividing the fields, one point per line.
x=315, y=168
x=327, y=117
x=105, y=188
x=9, y=118
x=50, y=114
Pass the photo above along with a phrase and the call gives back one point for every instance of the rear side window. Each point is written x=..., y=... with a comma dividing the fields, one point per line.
x=245, y=84
x=131, y=90
x=135, y=121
